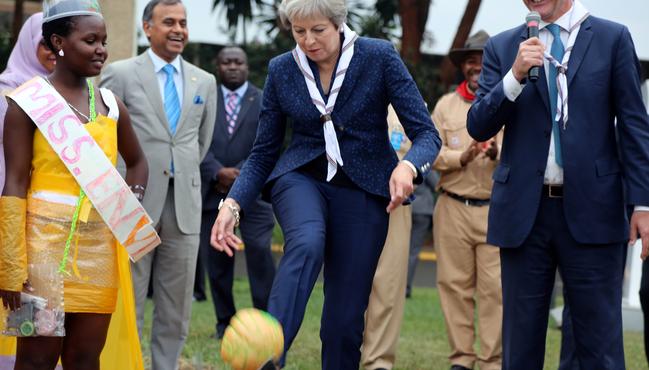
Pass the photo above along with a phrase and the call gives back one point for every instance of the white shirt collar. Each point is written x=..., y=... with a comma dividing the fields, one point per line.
x=574, y=14
x=159, y=63
x=241, y=91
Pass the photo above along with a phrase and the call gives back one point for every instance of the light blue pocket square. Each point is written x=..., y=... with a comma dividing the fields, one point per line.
x=198, y=100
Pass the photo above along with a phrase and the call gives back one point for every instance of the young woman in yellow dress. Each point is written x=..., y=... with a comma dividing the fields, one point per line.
x=42, y=207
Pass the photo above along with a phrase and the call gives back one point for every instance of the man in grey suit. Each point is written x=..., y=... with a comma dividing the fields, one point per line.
x=236, y=127
x=172, y=106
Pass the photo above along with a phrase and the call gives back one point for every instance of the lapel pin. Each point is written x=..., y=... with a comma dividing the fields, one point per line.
x=193, y=79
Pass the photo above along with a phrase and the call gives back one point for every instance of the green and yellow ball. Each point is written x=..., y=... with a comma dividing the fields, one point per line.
x=253, y=338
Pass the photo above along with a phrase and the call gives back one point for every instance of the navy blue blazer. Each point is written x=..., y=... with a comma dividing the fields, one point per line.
x=375, y=78
x=599, y=171
x=229, y=150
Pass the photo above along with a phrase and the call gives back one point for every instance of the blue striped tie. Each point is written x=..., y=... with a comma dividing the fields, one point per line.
x=557, y=52
x=172, y=103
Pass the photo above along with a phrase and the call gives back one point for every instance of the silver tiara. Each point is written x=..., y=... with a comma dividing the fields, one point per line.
x=55, y=9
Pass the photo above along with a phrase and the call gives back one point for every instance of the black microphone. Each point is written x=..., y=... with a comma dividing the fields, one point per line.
x=533, y=19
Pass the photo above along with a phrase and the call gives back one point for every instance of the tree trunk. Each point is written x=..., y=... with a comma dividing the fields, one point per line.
x=414, y=14
x=447, y=70
x=17, y=21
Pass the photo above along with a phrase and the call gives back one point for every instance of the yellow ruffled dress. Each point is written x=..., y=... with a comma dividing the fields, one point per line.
x=98, y=278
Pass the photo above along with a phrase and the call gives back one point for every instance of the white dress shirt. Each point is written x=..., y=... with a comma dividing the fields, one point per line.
x=513, y=88
x=158, y=64
x=241, y=91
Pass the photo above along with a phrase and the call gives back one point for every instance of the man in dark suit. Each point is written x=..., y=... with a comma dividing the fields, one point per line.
x=238, y=109
x=422, y=222
x=563, y=181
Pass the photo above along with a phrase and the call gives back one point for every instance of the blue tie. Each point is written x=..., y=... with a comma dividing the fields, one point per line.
x=172, y=103
x=557, y=52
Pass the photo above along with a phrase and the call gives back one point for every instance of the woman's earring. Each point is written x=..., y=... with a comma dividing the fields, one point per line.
x=61, y=53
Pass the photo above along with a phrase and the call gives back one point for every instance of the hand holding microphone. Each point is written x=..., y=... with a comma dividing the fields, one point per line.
x=530, y=52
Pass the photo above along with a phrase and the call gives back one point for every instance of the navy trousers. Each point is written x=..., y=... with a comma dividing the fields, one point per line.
x=644, y=303
x=342, y=228
x=256, y=231
x=592, y=276
x=568, y=357
x=422, y=227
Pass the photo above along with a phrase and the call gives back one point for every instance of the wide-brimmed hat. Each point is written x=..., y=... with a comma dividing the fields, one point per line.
x=474, y=43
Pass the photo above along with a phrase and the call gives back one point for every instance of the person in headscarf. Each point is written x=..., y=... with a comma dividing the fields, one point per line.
x=54, y=242
x=29, y=57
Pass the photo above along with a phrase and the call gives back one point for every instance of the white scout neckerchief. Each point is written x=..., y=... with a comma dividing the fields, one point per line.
x=562, y=68
x=331, y=141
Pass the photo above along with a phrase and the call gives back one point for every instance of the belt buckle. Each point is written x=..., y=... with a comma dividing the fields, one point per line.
x=550, y=193
x=467, y=202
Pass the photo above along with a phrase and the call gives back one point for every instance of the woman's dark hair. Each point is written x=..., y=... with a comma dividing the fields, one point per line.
x=62, y=27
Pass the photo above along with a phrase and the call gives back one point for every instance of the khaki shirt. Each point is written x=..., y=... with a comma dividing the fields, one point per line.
x=400, y=142
x=474, y=179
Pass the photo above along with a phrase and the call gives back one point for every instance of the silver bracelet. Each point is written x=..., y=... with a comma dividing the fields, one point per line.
x=137, y=187
x=233, y=209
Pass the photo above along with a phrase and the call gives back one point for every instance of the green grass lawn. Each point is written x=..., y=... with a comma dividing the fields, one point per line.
x=422, y=345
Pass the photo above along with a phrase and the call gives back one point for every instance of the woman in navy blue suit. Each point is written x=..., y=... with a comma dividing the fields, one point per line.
x=334, y=186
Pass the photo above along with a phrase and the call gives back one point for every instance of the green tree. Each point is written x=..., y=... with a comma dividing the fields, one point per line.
x=448, y=70
x=237, y=11
x=414, y=14
x=380, y=22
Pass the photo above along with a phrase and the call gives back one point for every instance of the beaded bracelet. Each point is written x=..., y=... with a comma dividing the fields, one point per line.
x=137, y=187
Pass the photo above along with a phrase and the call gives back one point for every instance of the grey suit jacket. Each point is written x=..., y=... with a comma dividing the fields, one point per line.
x=230, y=150
x=135, y=82
x=425, y=197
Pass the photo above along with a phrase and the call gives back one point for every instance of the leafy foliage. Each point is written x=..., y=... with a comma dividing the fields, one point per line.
x=236, y=10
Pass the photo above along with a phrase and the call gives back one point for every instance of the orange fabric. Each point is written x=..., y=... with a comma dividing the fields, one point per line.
x=46, y=165
x=13, y=252
x=96, y=244
x=463, y=90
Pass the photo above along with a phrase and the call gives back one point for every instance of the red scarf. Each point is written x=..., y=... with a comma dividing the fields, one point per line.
x=464, y=91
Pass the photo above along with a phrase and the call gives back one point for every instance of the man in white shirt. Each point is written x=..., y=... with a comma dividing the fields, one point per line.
x=564, y=181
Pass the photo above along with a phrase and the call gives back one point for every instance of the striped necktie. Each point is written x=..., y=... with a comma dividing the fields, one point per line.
x=231, y=111
x=557, y=52
x=171, y=101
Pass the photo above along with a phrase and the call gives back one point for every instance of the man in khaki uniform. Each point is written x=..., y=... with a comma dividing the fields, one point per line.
x=385, y=309
x=468, y=269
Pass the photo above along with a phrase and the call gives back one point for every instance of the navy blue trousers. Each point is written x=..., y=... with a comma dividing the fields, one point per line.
x=592, y=276
x=342, y=228
x=256, y=231
x=644, y=303
x=568, y=358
